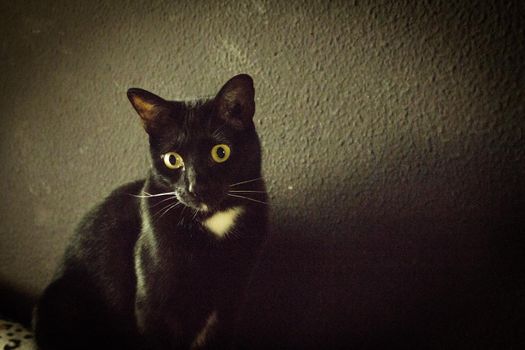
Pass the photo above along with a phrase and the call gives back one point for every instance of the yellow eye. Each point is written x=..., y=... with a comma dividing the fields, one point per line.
x=172, y=160
x=220, y=153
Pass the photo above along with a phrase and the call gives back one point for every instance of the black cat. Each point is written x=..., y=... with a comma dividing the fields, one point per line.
x=162, y=262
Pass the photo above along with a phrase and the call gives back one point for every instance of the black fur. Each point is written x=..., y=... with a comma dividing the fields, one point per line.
x=139, y=276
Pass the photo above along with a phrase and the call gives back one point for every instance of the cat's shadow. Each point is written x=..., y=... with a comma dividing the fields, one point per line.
x=375, y=284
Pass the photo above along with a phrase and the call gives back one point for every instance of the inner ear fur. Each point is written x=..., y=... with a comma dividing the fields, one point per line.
x=236, y=101
x=150, y=107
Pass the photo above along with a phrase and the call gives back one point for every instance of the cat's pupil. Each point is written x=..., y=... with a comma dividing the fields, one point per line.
x=173, y=159
x=221, y=152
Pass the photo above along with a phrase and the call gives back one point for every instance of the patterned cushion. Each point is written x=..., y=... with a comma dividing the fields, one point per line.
x=15, y=336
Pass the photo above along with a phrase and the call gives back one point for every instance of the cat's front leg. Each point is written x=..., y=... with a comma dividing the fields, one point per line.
x=155, y=330
x=217, y=333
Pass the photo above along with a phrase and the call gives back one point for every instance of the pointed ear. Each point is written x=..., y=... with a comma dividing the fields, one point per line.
x=235, y=101
x=151, y=108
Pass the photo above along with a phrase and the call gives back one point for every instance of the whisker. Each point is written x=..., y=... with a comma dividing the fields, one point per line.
x=167, y=210
x=195, y=215
x=162, y=209
x=162, y=201
x=217, y=131
x=245, y=182
x=250, y=199
x=181, y=215
x=147, y=195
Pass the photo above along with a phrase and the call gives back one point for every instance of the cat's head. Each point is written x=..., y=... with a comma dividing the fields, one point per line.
x=200, y=149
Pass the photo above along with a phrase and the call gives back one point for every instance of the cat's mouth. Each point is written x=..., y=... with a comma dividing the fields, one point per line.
x=195, y=203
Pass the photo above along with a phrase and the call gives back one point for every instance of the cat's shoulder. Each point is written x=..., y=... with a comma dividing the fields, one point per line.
x=126, y=192
x=120, y=205
x=106, y=234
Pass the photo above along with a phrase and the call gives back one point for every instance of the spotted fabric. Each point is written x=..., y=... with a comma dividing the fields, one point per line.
x=15, y=336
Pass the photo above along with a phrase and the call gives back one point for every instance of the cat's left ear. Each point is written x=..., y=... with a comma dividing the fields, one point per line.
x=235, y=101
x=153, y=110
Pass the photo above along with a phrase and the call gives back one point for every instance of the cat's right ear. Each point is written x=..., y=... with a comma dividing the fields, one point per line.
x=151, y=108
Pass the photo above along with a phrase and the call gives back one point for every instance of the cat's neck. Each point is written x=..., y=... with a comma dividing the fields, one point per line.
x=164, y=216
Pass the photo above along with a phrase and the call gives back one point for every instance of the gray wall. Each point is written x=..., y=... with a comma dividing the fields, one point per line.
x=392, y=134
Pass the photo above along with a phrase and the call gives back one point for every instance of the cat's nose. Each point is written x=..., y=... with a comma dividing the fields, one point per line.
x=197, y=191
x=195, y=185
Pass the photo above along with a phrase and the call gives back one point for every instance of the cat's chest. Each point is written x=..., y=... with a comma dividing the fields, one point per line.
x=222, y=223
x=191, y=248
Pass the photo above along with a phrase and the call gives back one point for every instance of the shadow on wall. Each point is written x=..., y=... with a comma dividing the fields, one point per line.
x=16, y=305
x=364, y=281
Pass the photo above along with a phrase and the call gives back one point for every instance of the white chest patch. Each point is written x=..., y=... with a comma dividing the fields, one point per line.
x=222, y=222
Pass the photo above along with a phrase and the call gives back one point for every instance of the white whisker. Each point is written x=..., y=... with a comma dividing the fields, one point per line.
x=162, y=201
x=162, y=209
x=245, y=182
x=181, y=215
x=167, y=210
x=250, y=199
x=147, y=195
x=195, y=215
x=216, y=133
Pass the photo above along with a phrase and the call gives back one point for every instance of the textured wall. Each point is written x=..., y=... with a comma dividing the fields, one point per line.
x=393, y=149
